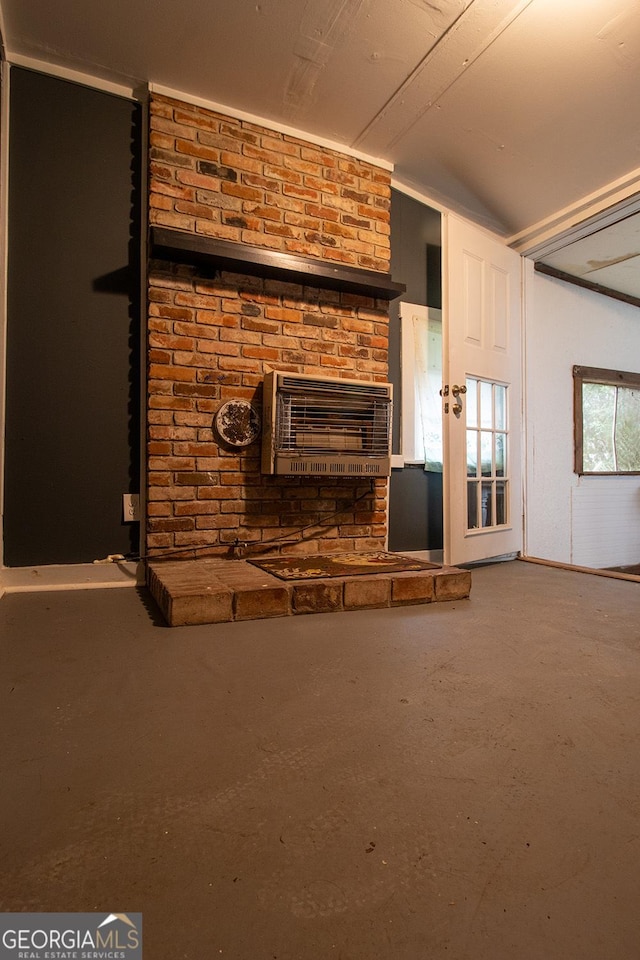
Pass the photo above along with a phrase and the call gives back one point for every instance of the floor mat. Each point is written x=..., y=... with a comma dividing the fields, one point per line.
x=340, y=565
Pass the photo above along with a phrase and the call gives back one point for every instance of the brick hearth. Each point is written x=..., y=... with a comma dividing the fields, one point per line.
x=215, y=590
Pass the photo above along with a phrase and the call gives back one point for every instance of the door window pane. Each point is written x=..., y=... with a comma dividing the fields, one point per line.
x=501, y=406
x=472, y=505
x=472, y=402
x=487, y=506
x=501, y=450
x=487, y=454
x=472, y=453
x=486, y=404
x=501, y=503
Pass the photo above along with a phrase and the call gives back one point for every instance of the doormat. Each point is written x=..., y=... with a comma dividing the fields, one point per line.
x=340, y=565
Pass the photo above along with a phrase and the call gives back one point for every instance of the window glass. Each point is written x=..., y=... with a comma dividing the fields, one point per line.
x=486, y=404
x=501, y=447
x=486, y=444
x=421, y=384
x=501, y=502
x=607, y=421
x=598, y=411
x=472, y=505
x=472, y=453
x=472, y=402
x=487, y=505
x=501, y=407
x=627, y=438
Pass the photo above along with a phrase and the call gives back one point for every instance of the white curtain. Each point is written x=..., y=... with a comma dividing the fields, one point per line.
x=427, y=341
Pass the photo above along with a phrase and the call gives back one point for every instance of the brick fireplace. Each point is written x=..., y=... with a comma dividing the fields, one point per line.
x=212, y=335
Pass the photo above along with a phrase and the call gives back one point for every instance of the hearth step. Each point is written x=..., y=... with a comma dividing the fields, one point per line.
x=216, y=590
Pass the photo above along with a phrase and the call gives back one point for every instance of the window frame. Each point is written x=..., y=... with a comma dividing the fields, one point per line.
x=611, y=378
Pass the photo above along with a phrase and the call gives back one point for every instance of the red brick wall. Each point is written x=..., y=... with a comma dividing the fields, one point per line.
x=211, y=339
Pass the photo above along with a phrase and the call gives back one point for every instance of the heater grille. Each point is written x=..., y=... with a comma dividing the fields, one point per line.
x=330, y=427
x=325, y=424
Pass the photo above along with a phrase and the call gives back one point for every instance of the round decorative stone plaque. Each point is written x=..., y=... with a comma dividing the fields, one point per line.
x=238, y=423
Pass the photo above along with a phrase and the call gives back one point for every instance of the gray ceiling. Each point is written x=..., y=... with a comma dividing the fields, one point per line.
x=507, y=111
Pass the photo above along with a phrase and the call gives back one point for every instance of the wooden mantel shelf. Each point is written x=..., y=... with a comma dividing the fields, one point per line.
x=181, y=247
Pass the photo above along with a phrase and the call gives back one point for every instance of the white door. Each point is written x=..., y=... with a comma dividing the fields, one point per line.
x=481, y=395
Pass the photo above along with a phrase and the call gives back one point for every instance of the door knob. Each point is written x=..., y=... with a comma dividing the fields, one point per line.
x=457, y=392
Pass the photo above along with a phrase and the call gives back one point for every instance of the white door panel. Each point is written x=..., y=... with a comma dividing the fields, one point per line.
x=482, y=395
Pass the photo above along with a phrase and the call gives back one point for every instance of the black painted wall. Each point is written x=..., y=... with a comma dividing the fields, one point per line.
x=73, y=342
x=415, y=496
x=415, y=509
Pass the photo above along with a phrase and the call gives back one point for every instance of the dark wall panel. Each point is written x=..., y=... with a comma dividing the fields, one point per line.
x=415, y=261
x=415, y=497
x=415, y=515
x=72, y=433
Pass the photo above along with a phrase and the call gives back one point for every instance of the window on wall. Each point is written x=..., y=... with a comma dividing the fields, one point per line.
x=607, y=421
x=421, y=336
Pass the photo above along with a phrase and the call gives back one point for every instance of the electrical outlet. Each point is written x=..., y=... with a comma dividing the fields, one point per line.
x=131, y=507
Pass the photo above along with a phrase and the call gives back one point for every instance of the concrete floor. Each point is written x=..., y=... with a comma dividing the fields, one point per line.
x=457, y=780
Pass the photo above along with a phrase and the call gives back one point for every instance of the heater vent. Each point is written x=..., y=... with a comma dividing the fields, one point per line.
x=316, y=385
x=326, y=427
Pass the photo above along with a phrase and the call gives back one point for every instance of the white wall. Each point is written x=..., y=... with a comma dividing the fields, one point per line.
x=589, y=521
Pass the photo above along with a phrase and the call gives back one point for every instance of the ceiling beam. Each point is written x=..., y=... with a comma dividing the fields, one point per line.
x=586, y=284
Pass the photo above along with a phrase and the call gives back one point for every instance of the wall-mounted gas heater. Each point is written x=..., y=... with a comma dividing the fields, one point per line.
x=329, y=427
